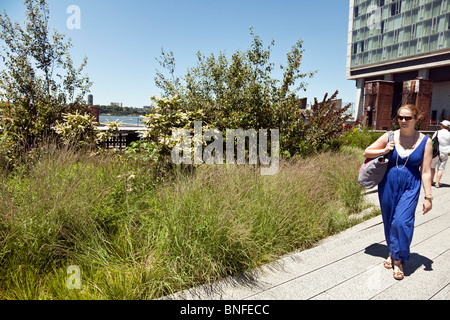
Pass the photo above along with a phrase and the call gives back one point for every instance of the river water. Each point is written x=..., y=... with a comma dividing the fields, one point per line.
x=123, y=119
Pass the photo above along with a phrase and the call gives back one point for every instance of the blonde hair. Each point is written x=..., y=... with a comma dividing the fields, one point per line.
x=411, y=107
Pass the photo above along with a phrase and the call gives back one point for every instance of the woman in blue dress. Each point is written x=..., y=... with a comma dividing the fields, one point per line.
x=410, y=156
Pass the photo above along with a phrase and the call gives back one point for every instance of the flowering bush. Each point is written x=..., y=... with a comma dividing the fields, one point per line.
x=167, y=117
x=113, y=129
x=325, y=127
x=77, y=128
x=242, y=92
x=361, y=137
x=37, y=78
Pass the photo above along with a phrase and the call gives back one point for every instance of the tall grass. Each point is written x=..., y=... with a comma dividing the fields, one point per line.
x=136, y=236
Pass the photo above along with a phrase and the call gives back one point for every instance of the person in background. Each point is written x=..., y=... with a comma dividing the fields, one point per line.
x=398, y=192
x=444, y=149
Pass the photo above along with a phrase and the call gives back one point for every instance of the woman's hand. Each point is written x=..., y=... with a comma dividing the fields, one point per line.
x=380, y=147
x=389, y=147
x=427, y=206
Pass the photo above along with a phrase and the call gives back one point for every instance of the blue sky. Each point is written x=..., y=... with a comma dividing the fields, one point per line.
x=122, y=39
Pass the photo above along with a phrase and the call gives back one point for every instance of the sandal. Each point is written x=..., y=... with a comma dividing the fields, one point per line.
x=388, y=263
x=398, y=270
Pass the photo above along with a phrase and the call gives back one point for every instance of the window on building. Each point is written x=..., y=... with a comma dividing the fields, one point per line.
x=444, y=6
x=434, y=24
x=433, y=115
x=396, y=8
x=396, y=36
x=441, y=40
x=356, y=11
x=421, y=12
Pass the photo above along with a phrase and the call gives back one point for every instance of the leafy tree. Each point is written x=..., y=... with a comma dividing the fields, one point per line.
x=39, y=81
x=120, y=111
x=77, y=129
x=241, y=92
x=326, y=124
x=168, y=115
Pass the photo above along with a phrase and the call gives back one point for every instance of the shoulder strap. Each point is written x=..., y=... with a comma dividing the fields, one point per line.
x=390, y=136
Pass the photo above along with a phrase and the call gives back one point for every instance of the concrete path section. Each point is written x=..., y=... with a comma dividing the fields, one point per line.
x=348, y=266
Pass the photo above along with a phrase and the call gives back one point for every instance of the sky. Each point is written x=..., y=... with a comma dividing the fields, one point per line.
x=122, y=39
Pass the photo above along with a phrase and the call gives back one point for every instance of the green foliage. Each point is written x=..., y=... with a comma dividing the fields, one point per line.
x=135, y=236
x=146, y=151
x=241, y=92
x=361, y=137
x=39, y=80
x=325, y=126
x=168, y=115
x=121, y=111
x=113, y=130
x=79, y=129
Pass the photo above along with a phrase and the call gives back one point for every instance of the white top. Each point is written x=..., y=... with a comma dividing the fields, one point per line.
x=404, y=153
x=444, y=140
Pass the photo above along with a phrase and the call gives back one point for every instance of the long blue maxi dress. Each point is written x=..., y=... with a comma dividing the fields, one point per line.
x=399, y=194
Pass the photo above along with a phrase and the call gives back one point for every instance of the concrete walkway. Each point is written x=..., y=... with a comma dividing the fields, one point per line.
x=349, y=265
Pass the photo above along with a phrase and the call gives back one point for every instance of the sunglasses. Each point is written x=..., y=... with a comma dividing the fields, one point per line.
x=404, y=118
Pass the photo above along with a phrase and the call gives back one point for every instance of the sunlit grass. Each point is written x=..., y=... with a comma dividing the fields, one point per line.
x=136, y=236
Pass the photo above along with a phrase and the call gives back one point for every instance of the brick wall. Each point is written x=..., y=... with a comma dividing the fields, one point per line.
x=419, y=92
x=378, y=104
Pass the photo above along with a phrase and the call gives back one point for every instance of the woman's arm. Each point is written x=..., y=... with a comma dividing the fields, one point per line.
x=379, y=147
x=426, y=175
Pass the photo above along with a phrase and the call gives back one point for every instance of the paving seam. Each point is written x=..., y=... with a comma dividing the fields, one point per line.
x=314, y=270
x=338, y=260
x=396, y=283
x=448, y=284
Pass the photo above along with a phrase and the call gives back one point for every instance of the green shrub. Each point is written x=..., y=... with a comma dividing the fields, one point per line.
x=38, y=80
x=135, y=235
x=361, y=138
x=77, y=129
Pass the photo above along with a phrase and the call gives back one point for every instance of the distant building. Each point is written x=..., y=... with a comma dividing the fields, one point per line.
x=399, y=52
x=90, y=100
x=118, y=104
x=94, y=110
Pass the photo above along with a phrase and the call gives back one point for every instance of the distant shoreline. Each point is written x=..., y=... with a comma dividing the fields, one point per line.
x=135, y=120
x=120, y=115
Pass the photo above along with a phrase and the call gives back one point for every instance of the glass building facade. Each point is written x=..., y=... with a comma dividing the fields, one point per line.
x=399, y=41
x=386, y=30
